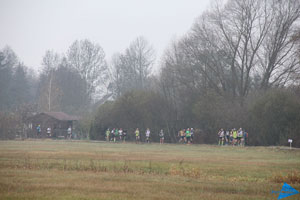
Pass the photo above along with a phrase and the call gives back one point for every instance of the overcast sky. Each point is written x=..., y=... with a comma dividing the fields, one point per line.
x=30, y=27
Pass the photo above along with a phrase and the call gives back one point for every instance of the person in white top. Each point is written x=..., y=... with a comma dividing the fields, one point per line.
x=161, y=136
x=121, y=134
x=221, y=135
x=147, y=135
x=69, y=132
x=49, y=132
x=240, y=136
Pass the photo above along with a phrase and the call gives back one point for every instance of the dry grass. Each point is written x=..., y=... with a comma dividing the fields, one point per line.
x=291, y=178
x=96, y=170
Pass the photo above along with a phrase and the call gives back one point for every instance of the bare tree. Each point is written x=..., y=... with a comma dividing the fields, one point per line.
x=89, y=60
x=116, y=76
x=172, y=80
x=279, y=53
x=48, y=92
x=234, y=43
x=140, y=57
x=132, y=69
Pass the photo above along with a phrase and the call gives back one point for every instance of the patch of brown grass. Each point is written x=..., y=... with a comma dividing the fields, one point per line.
x=186, y=172
x=291, y=178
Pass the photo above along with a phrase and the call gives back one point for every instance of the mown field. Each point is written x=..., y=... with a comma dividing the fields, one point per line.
x=98, y=170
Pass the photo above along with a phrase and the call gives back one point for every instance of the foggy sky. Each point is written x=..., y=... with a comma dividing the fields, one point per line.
x=30, y=27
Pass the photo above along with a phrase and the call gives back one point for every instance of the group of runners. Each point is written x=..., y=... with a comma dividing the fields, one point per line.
x=120, y=135
x=186, y=135
x=233, y=137
x=50, y=134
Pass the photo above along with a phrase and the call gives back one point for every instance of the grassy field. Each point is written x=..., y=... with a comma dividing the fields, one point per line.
x=98, y=170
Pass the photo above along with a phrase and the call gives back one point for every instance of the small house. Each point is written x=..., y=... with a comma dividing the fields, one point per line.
x=57, y=122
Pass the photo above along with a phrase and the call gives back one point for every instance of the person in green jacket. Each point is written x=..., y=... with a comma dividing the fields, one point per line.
x=116, y=134
x=188, y=135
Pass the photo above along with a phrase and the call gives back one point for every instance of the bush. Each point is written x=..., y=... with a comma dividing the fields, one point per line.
x=135, y=109
x=274, y=119
x=9, y=125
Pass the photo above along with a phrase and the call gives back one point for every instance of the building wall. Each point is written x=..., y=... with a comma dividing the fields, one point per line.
x=58, y=128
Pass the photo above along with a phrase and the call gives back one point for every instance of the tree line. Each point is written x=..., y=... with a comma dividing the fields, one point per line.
x=238, y=66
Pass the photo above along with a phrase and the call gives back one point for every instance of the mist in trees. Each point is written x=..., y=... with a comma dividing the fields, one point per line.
x=65, y=83
x=88, y=59
x=16, y=81
x=17, y=93
x=63, y=89
x=71, y=83
x=48, y=92
x=131, y=70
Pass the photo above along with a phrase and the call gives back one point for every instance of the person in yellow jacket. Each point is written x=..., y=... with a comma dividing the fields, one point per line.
x=107, y=135
x=137, y=135
x=181, y=134
x=234, y=135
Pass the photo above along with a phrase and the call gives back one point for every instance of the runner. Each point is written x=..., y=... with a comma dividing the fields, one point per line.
x=192, y=135
x=245, y=137
x=112, y=134
x=107, y=133
x=182, y=135
x=137, y=135
x=38, y=130
x=49, y=132
x=121, y=133
x=188, y=136
x=240, y=136
x=161, y=136
x=124, y=135
x=147, y=135
x=179, y=135
x=231, y=137
x=116, y=134
x=69, y=136
x=227, y=137
x=221, y=137
x=234, y=135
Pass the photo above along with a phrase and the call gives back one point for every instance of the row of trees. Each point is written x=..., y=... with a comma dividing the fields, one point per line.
x=65, y=83
x=81, y=78
x=15, y=81
x=75, y=82
x=238, y=66
x=70, y=83
x=17, y=92
x=132, y=69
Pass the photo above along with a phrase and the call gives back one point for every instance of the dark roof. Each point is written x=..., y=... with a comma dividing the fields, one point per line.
x=61, y=116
